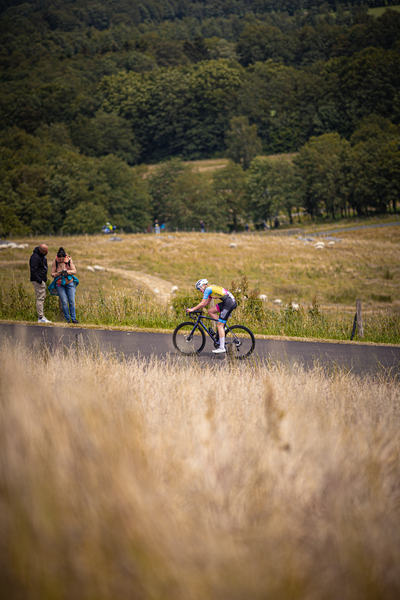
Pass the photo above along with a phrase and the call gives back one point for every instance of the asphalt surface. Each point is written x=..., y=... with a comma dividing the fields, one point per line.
x=359, y=358
x=345, y=229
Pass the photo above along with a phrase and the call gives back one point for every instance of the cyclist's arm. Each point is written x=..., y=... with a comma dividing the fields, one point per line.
x=202, y=304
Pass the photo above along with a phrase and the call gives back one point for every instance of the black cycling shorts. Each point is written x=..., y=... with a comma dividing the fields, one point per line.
x=225, y=308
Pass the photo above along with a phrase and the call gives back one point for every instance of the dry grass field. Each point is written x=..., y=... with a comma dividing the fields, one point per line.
x=364, y=264
x=377, y=12
x=170, y=481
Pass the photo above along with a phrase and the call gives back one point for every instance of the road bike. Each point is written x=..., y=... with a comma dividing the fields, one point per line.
x=190, y=338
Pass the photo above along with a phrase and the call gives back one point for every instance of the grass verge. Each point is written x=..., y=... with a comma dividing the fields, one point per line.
x=137, y=309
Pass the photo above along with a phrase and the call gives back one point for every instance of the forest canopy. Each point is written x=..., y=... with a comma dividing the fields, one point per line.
x=91, y=92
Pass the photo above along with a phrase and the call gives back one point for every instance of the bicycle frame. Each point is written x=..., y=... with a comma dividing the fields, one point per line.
x=200, y=316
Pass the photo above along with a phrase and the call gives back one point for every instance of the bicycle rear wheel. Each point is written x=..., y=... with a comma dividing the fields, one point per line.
x=241, y=340
x=186, y=342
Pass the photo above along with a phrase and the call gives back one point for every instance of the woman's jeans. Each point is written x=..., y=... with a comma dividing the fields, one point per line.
x=67, y=295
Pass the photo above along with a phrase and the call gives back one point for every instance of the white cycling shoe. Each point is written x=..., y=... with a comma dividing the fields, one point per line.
x=219, y=351
x=44, y=320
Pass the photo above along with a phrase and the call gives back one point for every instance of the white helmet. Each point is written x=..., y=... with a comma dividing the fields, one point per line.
x=201, y=282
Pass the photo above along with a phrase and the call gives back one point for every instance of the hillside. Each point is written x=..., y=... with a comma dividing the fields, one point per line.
x=92, y=94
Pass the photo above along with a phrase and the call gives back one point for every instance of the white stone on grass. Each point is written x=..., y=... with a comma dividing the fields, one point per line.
x=263, y=297
x=174, y=289
x=90, y=269
x=98, y=268
x=278, y=302
x=233, y=245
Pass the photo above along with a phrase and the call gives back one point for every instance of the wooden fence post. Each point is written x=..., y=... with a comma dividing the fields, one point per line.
x=359, y=319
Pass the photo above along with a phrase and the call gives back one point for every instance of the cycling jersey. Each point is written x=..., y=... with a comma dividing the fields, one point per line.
x=226, y=301
x=216, y=291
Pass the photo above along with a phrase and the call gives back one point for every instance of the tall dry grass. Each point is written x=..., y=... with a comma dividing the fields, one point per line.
x=160, y=480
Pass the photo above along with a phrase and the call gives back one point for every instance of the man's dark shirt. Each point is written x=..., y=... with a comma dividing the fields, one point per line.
x=38, y=265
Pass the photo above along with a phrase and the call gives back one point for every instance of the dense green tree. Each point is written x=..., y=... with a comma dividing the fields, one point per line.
x=273, y=185
x=106, y=133
x=375, y=167
x=320, y=167
x=183, y=111
x=161, y=181
x=85, y=217
x=358, y=86
x=242, y=141
x=284, y=186
x=197, y=50
x=46, y=187
x=229, y=185
x=374, y=127
x=261, y=201
x=129, y=204
x=182, y=198
x=193, y=202
x=9, y=218
x=259, y=43
x=282, y=102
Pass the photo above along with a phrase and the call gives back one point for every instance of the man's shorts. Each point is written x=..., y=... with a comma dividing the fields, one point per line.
x=225, y=308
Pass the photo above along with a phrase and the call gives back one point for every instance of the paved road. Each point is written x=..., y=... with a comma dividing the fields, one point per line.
x=356, y=228
x=361, y=359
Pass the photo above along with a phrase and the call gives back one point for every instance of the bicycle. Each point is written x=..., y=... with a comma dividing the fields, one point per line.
x=190, y=338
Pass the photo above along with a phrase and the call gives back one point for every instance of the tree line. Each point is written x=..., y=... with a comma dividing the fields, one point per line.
x=48, y=187
x=94, y=92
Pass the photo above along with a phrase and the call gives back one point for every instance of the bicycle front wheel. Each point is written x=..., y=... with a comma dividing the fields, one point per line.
x=186, y=342
x=240, y=341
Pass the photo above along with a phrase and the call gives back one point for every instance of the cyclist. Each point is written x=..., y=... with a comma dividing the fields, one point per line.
x=220, y=312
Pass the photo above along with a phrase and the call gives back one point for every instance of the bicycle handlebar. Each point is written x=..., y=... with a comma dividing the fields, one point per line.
x=194, y=312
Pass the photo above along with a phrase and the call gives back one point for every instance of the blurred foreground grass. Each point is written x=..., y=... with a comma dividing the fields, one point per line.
x=152, y=480
x=138, y=309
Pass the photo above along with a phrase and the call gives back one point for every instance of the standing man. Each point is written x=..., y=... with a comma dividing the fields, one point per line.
x=38, y=265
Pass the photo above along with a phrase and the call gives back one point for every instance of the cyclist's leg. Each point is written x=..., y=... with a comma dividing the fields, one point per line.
x=214, y=312
x=225, y=309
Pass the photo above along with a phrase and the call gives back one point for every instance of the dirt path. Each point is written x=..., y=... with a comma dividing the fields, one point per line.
x=160, y=288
